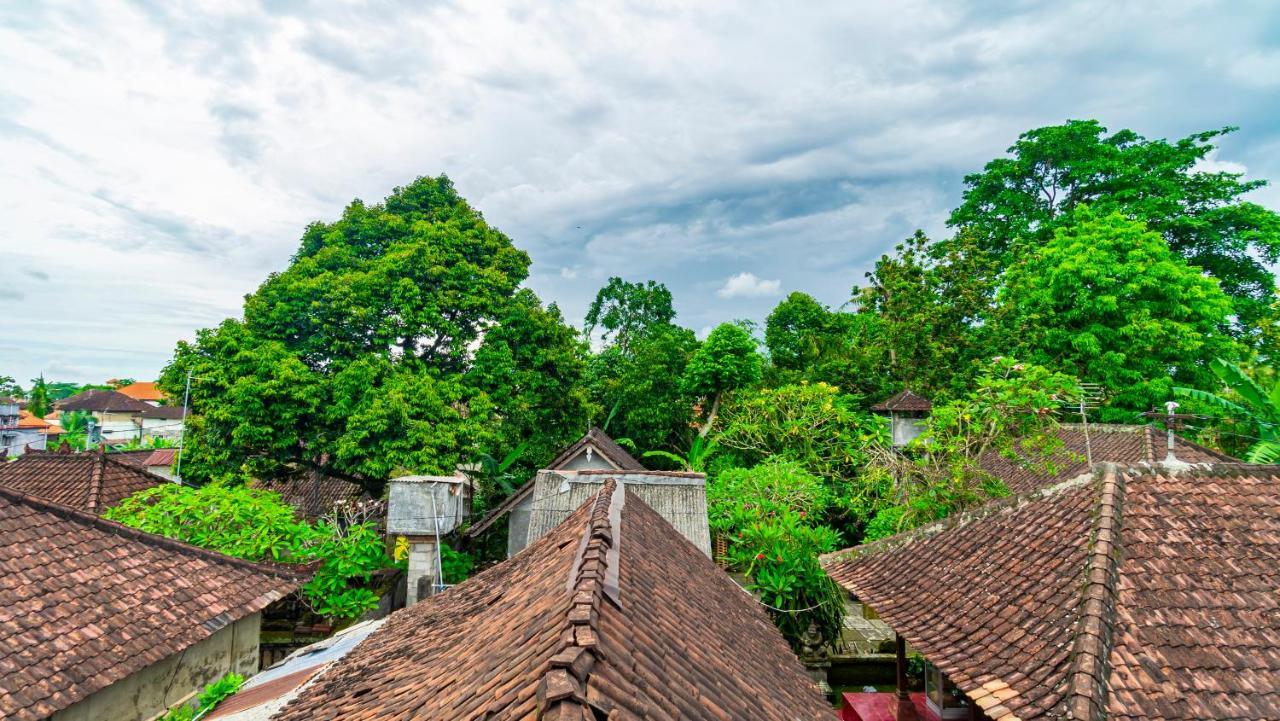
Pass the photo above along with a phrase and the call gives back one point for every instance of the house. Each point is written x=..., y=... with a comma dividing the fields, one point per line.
x=91, y=482
x=116, y=417
x=313, y=497
x=161, y=462
x=546, y=500
x=1131, y=592
x=102, y=621
x=611, y=615
x=145, y=391
x=28, y=433
x=162, y=422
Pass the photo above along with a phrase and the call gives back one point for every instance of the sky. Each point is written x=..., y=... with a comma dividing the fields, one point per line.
x=158, y=159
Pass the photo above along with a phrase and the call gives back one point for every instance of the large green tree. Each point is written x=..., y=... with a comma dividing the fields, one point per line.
x=1108, y=301
x=725, y=362
x=624, y=312
x=38, y=401
x=388, y=344
x=1024, y=198
x=639, y=392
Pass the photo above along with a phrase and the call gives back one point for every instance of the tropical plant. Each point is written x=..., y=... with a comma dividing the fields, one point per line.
x=211, y=696
x=257, y=525
x=1257, y=409
x=642, y=390
x=726, y=361
x=38, y=401
x=625, y=312
x=494, y=478
x=700, y=451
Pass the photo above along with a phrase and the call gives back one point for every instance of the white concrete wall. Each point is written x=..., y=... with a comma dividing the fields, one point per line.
x=150, y=692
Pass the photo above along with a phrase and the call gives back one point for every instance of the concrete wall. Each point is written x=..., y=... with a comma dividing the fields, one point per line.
x=16, y=440
x=518, y=525
x=148, y=693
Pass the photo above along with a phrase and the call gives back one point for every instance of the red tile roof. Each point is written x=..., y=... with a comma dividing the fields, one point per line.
x=1134, y=593
x=27, y=420
x=904, y=400
x=1125, y=444
x=101, y=400
x=612, y=615
x=160, y=457
x=311, y=499
x=91, y=482
x=143, y=391
x=85, y=602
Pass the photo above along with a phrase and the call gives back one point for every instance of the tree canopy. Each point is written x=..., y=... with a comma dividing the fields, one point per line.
x=625, y=311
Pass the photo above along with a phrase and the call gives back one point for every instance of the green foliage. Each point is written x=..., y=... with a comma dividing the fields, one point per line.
x=626, y=312
x=211, y=696
x=256, y=525
x=9, y=388
x=38, y=401
x=1010, y=412
x=455, y=566
x=811, y=424
x=395, y=339
x=1256, y=409
x=795, y=329
x=642, y=388
x=1107, y=300
x=726, y=360
x=768, y=515
x=700, y=452
x=1024, y=199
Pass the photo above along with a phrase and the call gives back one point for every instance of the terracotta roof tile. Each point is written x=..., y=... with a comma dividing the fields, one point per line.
x=143, y=391
x=312, y=499
x=612, y=615
x=74, y=618
x=904, y=400
x=1132, y=593
x=91, y=482
x=101, y=400
x=1110, y=443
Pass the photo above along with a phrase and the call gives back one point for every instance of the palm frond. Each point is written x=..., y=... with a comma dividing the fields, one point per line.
x=1250, y=391
x=1264, y=452
x=1222, y=404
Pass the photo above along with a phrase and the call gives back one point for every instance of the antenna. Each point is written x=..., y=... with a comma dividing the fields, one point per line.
x=1088, y=397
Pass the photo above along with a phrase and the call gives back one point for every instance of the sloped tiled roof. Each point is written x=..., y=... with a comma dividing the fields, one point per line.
x=1133, y=593
x=97, y=399
x=142, y=390
x=167, y=413
x=1126, y=444
x=609, y=448
x=27, y=420
x=311, y=499
x=91, y=482
x=612, y=615
x=85, y=602
x=904, y=400
x=160, y=457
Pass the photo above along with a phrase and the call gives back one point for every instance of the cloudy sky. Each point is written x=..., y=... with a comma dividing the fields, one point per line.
x=157, y=160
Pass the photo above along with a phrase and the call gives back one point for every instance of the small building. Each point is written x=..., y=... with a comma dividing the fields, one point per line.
x=102, y=621
x=116, y=416
x=907, y=413
x=611, y=615
x=91, y=482
x=29, y=433
x=594, y=451
x=1131, y=592
x=315, y=496
x=162, y=422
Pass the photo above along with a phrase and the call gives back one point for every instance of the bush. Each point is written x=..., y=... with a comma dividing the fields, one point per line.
x=257, y=525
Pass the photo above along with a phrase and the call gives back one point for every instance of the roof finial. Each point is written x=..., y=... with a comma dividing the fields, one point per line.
x=1171, y=461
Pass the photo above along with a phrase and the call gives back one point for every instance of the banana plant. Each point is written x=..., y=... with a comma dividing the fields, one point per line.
x=696, y=460
x=1258, y=408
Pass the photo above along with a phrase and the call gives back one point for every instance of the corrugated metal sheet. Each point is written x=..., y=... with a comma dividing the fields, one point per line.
x=682, y=501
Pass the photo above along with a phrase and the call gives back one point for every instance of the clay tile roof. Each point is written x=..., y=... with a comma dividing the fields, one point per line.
x=612, y=615
x=311, y=499
x=904, y=401
x=101, y=400
x=1133, y=593
x=160, y=457
x=142, y=390
x=91, y=482
x=27, y=420
x=614, y=453
x=1126, y=444
x=85, y=602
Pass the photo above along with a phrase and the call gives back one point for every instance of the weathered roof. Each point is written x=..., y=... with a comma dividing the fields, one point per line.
x=91, y=482
x=28, y=420
x=609, y=449
x=142, y=390
x=1126, y=444
x=904, y=400
x=1132, y=593
x=160, y=457
x=611, y=615
x=97, y=399
x=168, y=413
x=313, y=499
x=85, y=602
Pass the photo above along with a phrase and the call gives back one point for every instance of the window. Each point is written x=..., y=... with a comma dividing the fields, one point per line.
x=943, y=698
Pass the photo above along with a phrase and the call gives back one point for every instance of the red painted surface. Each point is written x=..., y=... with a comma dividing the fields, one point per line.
x=880, y=707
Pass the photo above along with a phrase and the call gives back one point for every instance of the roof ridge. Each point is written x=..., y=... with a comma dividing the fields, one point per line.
x=291, y=572
x=562, y=691
x=95, y=482
x=1087, y=678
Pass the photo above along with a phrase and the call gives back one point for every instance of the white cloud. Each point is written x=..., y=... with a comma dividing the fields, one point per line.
x=160, y=159
x=747, y=285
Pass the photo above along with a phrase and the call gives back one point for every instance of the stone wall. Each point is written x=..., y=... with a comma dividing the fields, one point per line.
x=153, y=690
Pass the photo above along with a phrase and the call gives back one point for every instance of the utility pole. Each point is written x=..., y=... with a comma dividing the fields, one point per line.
x=182, y=431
